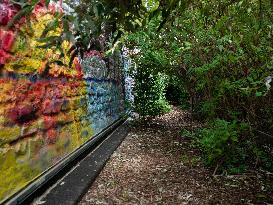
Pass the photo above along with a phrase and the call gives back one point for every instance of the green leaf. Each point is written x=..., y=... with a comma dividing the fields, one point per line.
x=259, y=94
x=47, y=2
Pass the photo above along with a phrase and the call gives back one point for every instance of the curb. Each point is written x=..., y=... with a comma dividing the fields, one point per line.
x=71, y=187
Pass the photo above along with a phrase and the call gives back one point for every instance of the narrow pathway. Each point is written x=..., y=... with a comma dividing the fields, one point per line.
x=156, y=165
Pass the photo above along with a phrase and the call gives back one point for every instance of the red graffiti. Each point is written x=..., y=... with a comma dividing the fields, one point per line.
x=22, y=113
x=7, y=12
x=93, y=53
x=49, y=122
x=78, y=68
x=7, y=39
x=6, y=42
x=4, y=56
x=51, y=136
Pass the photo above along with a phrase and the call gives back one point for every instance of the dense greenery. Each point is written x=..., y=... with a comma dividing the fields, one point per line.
x=223, y=56
x=95, y=24
x=149, y=93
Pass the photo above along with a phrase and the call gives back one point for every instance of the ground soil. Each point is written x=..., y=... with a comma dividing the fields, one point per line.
x=155, y=164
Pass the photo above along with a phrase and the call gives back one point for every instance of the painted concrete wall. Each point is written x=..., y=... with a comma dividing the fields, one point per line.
x=48, y=110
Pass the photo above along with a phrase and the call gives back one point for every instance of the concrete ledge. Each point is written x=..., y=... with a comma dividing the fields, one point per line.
x=70, y=189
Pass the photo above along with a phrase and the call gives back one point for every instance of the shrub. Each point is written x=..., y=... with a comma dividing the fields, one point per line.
x=221, y=143
x=149, y=93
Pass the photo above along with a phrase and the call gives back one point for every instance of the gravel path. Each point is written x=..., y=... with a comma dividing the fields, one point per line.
x=156, y=165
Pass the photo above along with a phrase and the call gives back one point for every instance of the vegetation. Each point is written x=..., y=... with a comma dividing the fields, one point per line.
x=222, y=60
x=217, y=54
x=149, y=93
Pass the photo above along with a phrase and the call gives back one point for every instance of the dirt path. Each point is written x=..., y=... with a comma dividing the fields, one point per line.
x=155, y=165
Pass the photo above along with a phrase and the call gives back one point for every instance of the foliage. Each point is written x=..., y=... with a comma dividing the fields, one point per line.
x=229, y=145
x=97, y=25
x=150, y=83
x=149, y=93
x=220, y=142
x=228, y=60
x=223, y=56
x=176, y=92
x=97, y=22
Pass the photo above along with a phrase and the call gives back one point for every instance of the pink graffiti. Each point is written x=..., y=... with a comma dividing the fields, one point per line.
x=7, y=12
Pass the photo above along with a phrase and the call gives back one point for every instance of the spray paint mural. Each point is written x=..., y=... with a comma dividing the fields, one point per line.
x=47, y=108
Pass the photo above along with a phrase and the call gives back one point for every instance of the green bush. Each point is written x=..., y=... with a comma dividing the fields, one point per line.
x=221, y=144
x=149, y=93
x=231, y=146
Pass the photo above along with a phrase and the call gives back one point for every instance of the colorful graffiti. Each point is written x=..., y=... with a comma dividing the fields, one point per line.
x=47, y=108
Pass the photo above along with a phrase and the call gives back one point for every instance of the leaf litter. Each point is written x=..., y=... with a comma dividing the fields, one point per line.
x=155, y=165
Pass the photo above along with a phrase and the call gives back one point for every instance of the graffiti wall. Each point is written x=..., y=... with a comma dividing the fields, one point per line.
x=47, y=108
